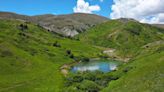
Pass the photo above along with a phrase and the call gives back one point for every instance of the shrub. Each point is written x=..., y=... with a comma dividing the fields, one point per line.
x=24, y=35
x=6, y=53
x=71, y=56
x=68, y=52
x=56, y=44
x=23, y=27
x=33, y=52
x=77, y=78
x=134, y=29
x=85, y=59
x=89, y=86
x=127, y=69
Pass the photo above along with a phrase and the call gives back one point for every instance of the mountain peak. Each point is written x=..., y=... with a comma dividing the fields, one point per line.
x=125, y=20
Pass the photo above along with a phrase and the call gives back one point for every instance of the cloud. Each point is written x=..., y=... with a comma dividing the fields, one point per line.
x=147, y=11
x=85, y=7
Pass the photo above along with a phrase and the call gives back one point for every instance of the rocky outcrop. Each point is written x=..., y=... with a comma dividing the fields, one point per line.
x=65, y=25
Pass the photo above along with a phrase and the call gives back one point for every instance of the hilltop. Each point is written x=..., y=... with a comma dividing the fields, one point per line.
x=159, y=25
x=65, y=25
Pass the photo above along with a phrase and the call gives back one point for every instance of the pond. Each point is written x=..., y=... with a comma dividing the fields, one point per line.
x=96, y=65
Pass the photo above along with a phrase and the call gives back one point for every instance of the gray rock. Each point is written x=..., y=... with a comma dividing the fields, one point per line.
x=66, y=25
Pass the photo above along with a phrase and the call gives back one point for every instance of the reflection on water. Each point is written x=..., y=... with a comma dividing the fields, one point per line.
x=104, y=66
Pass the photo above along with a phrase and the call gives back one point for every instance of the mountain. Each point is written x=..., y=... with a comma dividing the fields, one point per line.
x=141, y=46
x=32, y=58
x=9, y=15
x=126, y=37
x=65, y=25
x=159, y=25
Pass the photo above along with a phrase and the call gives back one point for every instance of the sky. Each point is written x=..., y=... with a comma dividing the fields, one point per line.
x=146, y=11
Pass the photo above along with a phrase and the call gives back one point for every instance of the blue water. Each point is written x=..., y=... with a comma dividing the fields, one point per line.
x=98, y=65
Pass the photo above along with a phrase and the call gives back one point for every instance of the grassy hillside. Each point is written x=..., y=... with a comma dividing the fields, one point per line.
x=144, y=75
x=127, y=37
x=143, y=43
x=30, y=57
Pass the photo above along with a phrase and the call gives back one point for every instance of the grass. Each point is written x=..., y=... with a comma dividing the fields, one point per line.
x=30, y=62
x=126, y=38
x=142, y=43
x=145, y=76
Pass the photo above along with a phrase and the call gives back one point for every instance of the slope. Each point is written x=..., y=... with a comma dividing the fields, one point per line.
x=30, y=57
x=143, y=43
x=125, y=37
x=142, y=75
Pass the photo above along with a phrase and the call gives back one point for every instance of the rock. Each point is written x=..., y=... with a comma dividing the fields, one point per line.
x=65, y=25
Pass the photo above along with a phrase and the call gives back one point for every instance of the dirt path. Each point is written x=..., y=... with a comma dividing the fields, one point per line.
x=65, y=68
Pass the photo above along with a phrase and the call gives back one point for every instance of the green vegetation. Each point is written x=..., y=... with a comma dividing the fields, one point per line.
x=30, y=59
x=127, y=38
x=88, y=81
x=142, y=43
x=146, y=75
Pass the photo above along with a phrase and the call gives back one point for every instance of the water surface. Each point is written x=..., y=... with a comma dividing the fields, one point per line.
x=94, y=65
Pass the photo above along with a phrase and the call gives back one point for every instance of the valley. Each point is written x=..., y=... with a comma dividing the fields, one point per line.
x=36, y=57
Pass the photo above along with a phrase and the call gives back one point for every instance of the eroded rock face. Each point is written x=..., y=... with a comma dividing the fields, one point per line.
x=69, y=25
x=65, y=25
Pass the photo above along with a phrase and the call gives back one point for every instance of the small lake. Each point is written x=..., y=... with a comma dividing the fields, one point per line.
x=96, y=65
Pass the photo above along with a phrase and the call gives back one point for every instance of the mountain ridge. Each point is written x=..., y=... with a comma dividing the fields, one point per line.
x=67, y=25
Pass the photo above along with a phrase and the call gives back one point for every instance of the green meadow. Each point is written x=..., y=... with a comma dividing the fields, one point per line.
x=31, y=58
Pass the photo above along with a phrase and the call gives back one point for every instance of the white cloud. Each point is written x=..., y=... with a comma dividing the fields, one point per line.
x=84, y=7
x=147, y=11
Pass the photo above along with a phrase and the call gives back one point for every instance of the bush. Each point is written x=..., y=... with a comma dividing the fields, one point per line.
x=105, y=56
x=56, y=44
x=94, y=76
x=33, y=52
x=89, y=86
x=23, y=27
x=77, y=78
x=24, y=35
x=127, y=69
x=6, y=53
x=134, y=29
x=71, y=56
x=68, y=52
x=85, y=59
